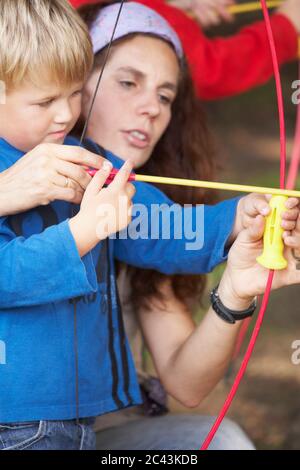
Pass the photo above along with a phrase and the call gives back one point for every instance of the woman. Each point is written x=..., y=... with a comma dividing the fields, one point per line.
x=153, y=112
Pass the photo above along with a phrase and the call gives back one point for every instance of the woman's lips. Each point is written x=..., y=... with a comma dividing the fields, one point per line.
x=137, y=138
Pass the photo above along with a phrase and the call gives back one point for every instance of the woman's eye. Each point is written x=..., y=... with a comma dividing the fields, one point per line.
x=165, y=99
x=127, y=84
x=77, y=93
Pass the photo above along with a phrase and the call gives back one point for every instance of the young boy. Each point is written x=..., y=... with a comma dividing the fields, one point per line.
x=46, y=382
x=64, y=355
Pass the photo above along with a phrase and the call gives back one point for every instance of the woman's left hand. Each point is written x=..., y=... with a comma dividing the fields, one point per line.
x=244, y=278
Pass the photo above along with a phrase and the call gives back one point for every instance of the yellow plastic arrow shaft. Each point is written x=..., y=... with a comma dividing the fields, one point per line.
x=252, y=6
x=221, y=186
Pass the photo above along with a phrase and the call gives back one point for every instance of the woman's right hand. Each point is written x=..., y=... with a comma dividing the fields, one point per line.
x=244, y=278
x=48, y=172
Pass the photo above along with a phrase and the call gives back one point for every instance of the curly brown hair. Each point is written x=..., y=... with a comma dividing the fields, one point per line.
x=186, y=151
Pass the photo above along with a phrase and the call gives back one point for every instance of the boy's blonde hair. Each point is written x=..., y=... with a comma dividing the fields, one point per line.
x=43, y=40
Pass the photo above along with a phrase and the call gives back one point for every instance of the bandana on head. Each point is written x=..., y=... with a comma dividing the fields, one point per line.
x=135, y=18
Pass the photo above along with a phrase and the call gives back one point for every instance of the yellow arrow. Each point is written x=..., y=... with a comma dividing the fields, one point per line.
x=252, y=6
x=213, y=185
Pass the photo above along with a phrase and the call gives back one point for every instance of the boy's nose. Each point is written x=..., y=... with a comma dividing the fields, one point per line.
x=63, y=114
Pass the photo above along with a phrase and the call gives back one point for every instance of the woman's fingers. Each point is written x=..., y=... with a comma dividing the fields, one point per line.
x=292, y=238
x=255, y=231
x=65, y=182
x=292, y=202
x=73, y=172
x=290, y=218
x=73, y=154
x=292, y=214
x=71, y=195
x=256, y=204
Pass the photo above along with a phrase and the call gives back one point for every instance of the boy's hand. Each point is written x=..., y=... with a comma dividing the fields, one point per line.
x=104, y=211
x=257, y=204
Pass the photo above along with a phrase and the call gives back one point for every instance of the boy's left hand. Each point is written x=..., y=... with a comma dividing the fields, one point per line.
x=254, y=204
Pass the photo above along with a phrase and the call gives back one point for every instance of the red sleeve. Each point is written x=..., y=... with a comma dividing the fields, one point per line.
x=227, y=66
x=223, y=67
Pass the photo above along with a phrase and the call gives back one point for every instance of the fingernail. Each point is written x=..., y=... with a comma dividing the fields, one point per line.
x=265, y=211
x=129, y=162
x=107, y=166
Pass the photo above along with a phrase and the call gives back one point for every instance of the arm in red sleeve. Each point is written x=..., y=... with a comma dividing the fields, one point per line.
x=223, y=67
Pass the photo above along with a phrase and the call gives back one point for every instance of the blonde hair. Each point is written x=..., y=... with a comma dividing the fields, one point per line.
x=43, y=39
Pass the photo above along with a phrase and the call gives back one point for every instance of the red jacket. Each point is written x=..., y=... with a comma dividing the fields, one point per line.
x=224, y=67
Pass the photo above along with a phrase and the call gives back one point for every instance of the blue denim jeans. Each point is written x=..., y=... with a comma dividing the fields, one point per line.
x=48, y=435
x=172, y=432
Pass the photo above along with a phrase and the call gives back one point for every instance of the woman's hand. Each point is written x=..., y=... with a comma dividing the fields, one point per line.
x=258, y=204
x=290, y=8
x=207, y=12
x=244, y=278
x=48, y=172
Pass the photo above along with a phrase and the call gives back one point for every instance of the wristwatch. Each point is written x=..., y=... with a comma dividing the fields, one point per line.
x=230, y=316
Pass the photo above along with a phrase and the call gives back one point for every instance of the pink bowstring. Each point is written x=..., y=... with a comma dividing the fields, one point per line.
x=291, y=183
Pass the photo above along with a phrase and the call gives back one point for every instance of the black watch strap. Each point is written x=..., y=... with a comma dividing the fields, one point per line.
x=229, y=316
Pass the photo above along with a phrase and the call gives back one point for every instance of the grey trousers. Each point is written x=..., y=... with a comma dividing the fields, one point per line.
x=172, y=432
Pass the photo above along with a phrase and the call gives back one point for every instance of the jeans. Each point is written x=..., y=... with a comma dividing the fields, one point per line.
x=48, y=435
x=172, y=432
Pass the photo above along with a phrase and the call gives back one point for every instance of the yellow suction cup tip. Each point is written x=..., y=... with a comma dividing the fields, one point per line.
x=272, y=256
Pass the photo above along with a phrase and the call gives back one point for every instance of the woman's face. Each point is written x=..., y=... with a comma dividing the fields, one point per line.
x=133, y=105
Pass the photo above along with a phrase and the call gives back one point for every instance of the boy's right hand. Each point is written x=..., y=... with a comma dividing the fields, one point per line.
x=104, y=211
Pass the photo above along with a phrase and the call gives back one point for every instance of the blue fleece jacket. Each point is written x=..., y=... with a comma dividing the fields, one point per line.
x=41, y=272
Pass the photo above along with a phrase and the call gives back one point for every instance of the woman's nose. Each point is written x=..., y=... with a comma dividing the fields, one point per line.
x=150, y=105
